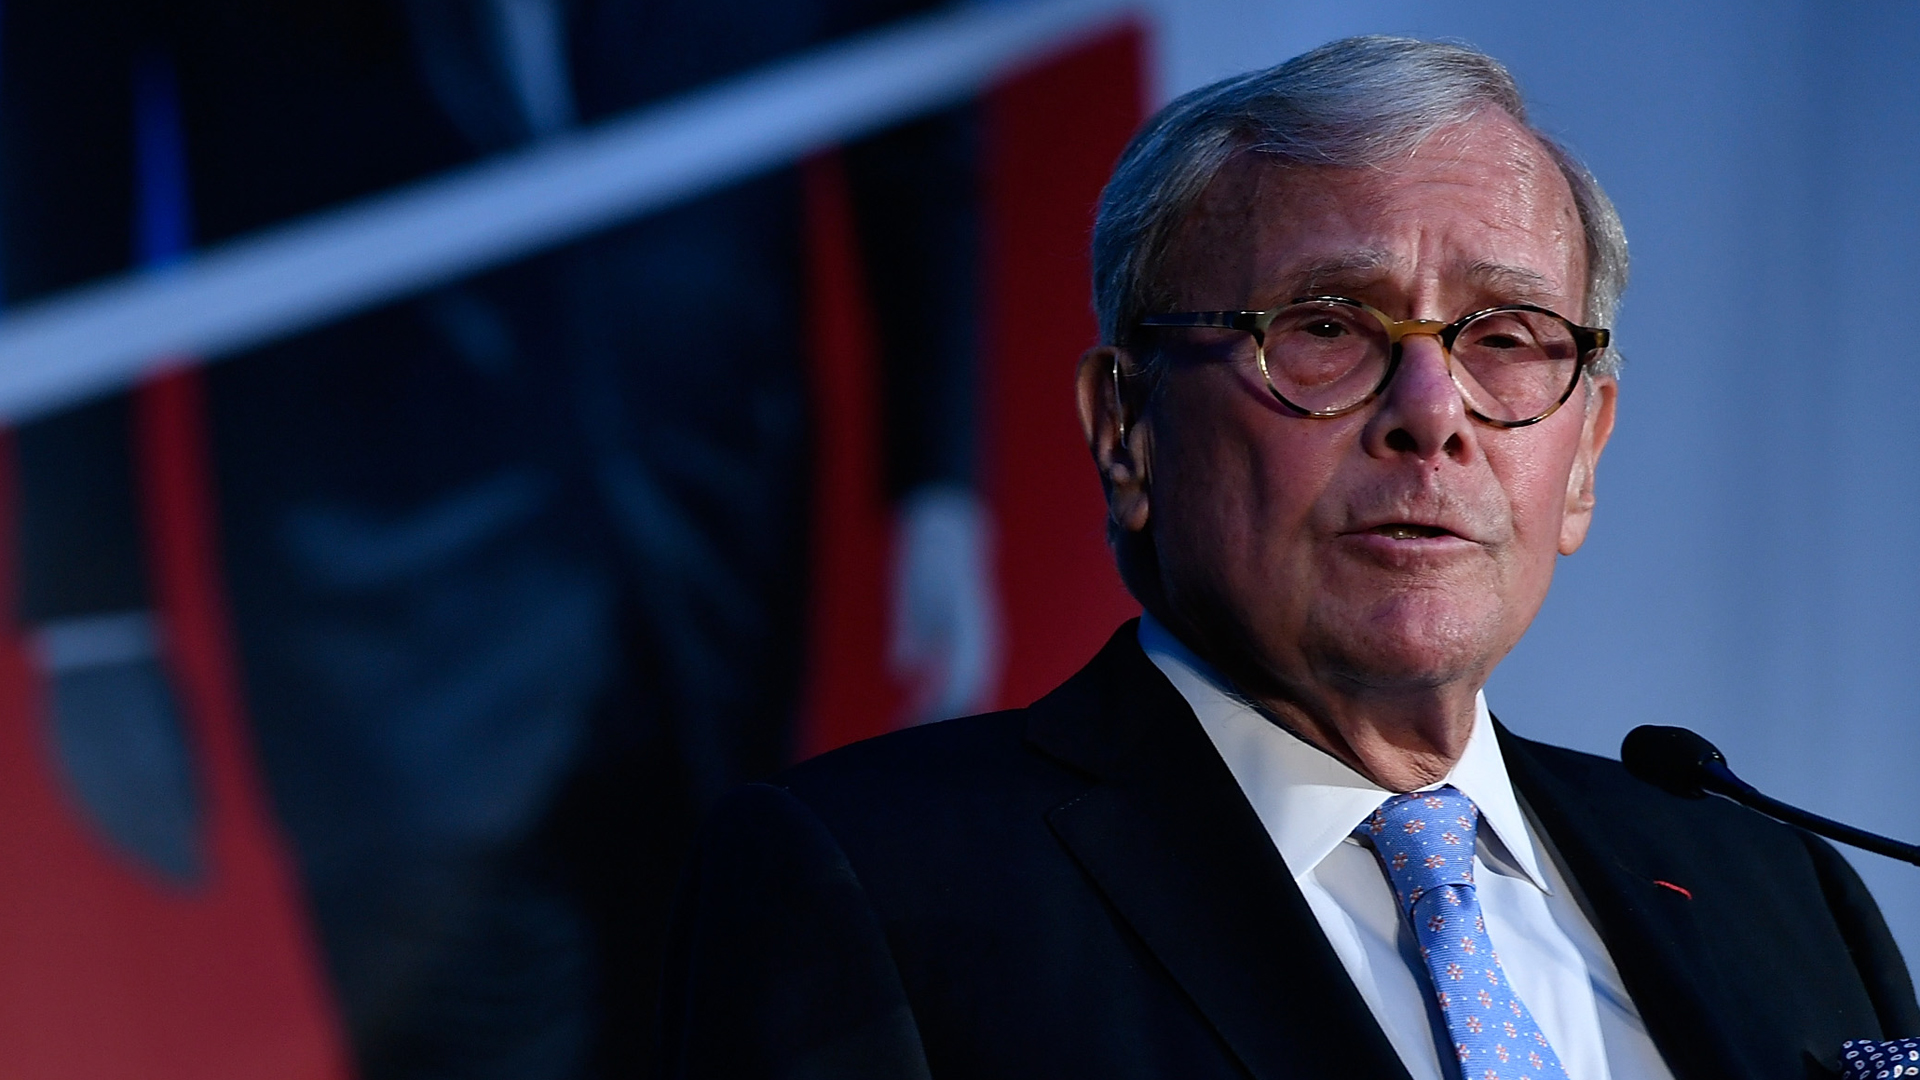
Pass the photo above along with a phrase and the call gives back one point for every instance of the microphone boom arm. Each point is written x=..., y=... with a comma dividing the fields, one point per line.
x=1720, y=779
x=1682, y=763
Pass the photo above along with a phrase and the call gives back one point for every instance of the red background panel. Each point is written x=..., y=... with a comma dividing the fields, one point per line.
x=849, y=693
x=105, y=969
x=1052, y=134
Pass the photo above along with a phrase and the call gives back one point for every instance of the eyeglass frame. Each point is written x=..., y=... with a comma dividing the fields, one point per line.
x=1590, y=340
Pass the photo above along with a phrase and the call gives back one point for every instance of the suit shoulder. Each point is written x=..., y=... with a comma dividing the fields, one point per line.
x=1576, y=766
x=969, y=742
x=977, y=764
x=1065, y=731
x=1755, y=885
x=1606, y=782
x=1594, y=775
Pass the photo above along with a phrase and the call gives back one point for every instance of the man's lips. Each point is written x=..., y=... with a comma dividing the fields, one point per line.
x=1409, y=545
x=1409, y=530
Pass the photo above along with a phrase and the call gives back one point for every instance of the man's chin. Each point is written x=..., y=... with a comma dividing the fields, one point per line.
x=1411, y=647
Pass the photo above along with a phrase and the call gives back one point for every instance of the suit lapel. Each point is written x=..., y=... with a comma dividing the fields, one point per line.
x=1648, y=927
x=1169, y=839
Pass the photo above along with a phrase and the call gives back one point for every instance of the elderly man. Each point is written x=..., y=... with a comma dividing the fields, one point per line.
x=1354, y=387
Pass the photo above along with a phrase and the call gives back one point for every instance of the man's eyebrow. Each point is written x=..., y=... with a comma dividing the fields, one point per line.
x=1361, y=267
x=1346, y=268
x=1511, y=282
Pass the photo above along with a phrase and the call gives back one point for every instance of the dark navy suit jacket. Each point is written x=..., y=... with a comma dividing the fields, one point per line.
x=1079, y=889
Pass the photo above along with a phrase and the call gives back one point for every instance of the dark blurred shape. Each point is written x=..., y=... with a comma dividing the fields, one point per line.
x=517, y=567
x=118, y=736
x=115, y=727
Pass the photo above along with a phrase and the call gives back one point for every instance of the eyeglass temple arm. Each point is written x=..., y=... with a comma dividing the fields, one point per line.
x=1225, y=320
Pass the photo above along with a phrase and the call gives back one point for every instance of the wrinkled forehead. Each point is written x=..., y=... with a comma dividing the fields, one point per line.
x=1477, y=213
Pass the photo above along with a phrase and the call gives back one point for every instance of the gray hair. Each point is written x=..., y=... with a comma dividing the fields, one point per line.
x=1354, y=103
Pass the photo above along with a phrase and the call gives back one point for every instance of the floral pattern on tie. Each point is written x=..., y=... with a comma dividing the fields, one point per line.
x=1425, y=842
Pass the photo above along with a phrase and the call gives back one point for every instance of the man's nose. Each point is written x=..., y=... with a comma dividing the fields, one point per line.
x=1421, y=411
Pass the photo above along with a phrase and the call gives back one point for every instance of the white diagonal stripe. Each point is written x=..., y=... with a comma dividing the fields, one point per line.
x=292, y=277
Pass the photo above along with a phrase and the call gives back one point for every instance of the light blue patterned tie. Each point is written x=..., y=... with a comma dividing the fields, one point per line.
x=1425, y=844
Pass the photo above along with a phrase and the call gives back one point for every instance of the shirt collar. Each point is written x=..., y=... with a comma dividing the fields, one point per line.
x=1311, y=801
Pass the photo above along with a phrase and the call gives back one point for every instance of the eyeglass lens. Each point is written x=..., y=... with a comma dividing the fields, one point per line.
x=1510, y=365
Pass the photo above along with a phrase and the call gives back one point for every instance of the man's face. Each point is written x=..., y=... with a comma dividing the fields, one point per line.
x=1404, y=546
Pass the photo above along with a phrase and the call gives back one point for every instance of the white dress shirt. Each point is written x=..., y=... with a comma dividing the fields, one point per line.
x=1310, y=803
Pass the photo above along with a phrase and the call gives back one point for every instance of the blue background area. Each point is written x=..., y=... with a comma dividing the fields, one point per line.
x=1752, y=572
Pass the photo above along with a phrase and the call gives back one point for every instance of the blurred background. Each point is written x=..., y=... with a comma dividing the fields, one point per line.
x=360, y=691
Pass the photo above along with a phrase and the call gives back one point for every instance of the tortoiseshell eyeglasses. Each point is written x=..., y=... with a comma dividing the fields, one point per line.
x=1325, y=356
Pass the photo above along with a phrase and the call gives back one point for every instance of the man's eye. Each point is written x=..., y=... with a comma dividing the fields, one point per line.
x=1326, y=328
x=1499, y=341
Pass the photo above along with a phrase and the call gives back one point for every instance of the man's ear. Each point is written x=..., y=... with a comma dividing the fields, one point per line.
x=1118, y=435
x=1594, y=431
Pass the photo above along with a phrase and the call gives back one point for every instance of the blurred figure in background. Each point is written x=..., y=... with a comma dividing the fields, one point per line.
x=517, y=566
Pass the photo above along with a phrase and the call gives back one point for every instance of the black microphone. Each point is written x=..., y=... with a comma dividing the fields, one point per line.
x=1682, y=763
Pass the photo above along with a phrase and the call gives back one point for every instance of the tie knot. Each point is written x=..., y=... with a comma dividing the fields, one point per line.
x=1425, y=841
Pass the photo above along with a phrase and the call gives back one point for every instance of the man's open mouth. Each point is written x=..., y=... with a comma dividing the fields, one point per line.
x=1400, y=530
